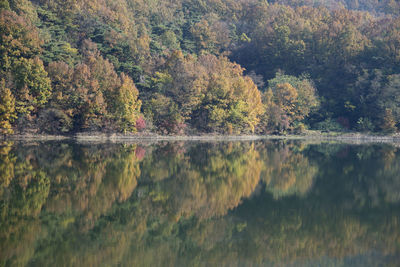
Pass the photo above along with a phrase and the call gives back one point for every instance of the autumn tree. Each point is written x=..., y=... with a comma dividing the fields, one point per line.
x=7, y=109
x=18, y=39
x=93, y=94
x=209, y=93
x=21, y=66
x=232, y=102
x=211, y=34
x=290, y=99
x=388, y=122
x=274, y=119
x=127, y=104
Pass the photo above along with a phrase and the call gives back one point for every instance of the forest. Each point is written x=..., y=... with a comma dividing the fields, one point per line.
x=199, y=66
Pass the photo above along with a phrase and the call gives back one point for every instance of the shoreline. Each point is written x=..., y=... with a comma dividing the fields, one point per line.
x=100, y=137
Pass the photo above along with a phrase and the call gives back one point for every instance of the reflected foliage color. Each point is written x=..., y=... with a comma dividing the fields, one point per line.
x=199, y=204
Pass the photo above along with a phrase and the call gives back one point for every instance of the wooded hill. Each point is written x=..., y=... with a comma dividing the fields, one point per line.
x=199, y=66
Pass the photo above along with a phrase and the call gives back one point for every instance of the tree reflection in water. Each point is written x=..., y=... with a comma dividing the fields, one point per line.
x=223, y=204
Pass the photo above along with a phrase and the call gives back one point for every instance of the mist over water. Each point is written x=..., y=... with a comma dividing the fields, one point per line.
x=253, y=203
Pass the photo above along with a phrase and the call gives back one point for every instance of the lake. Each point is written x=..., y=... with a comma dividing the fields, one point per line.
x=252, y=203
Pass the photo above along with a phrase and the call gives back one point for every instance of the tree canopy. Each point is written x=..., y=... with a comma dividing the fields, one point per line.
x=189, y=66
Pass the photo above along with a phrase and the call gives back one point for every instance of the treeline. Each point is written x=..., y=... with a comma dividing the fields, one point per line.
x=187, y=66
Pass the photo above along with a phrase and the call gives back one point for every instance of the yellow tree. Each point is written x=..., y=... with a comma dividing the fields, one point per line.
x=232, y=102
x=286, y=98
x=7, y=109
x=389, y=123
x=127, y=104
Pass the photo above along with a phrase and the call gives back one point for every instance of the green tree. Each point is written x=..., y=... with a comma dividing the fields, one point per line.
x=4, y=4
x=30, y=75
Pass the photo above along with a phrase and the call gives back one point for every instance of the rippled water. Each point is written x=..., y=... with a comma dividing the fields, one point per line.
x=260, y=203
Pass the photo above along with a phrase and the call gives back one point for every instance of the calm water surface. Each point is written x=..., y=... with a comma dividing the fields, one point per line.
x=264, y=203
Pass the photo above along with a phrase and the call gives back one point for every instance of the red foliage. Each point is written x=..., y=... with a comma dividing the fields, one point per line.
x=140, y=123
x=140, y=152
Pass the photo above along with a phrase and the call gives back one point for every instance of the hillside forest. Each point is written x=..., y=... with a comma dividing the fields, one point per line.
x=199, y=66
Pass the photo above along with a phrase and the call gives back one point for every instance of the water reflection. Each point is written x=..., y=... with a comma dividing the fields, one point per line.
x=184, y=204
x=287, y=171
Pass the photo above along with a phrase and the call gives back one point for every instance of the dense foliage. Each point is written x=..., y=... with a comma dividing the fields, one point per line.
x=189, y=66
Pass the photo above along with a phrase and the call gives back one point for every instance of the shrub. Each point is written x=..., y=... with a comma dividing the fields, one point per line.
x=364, y=125
x=328, y=125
